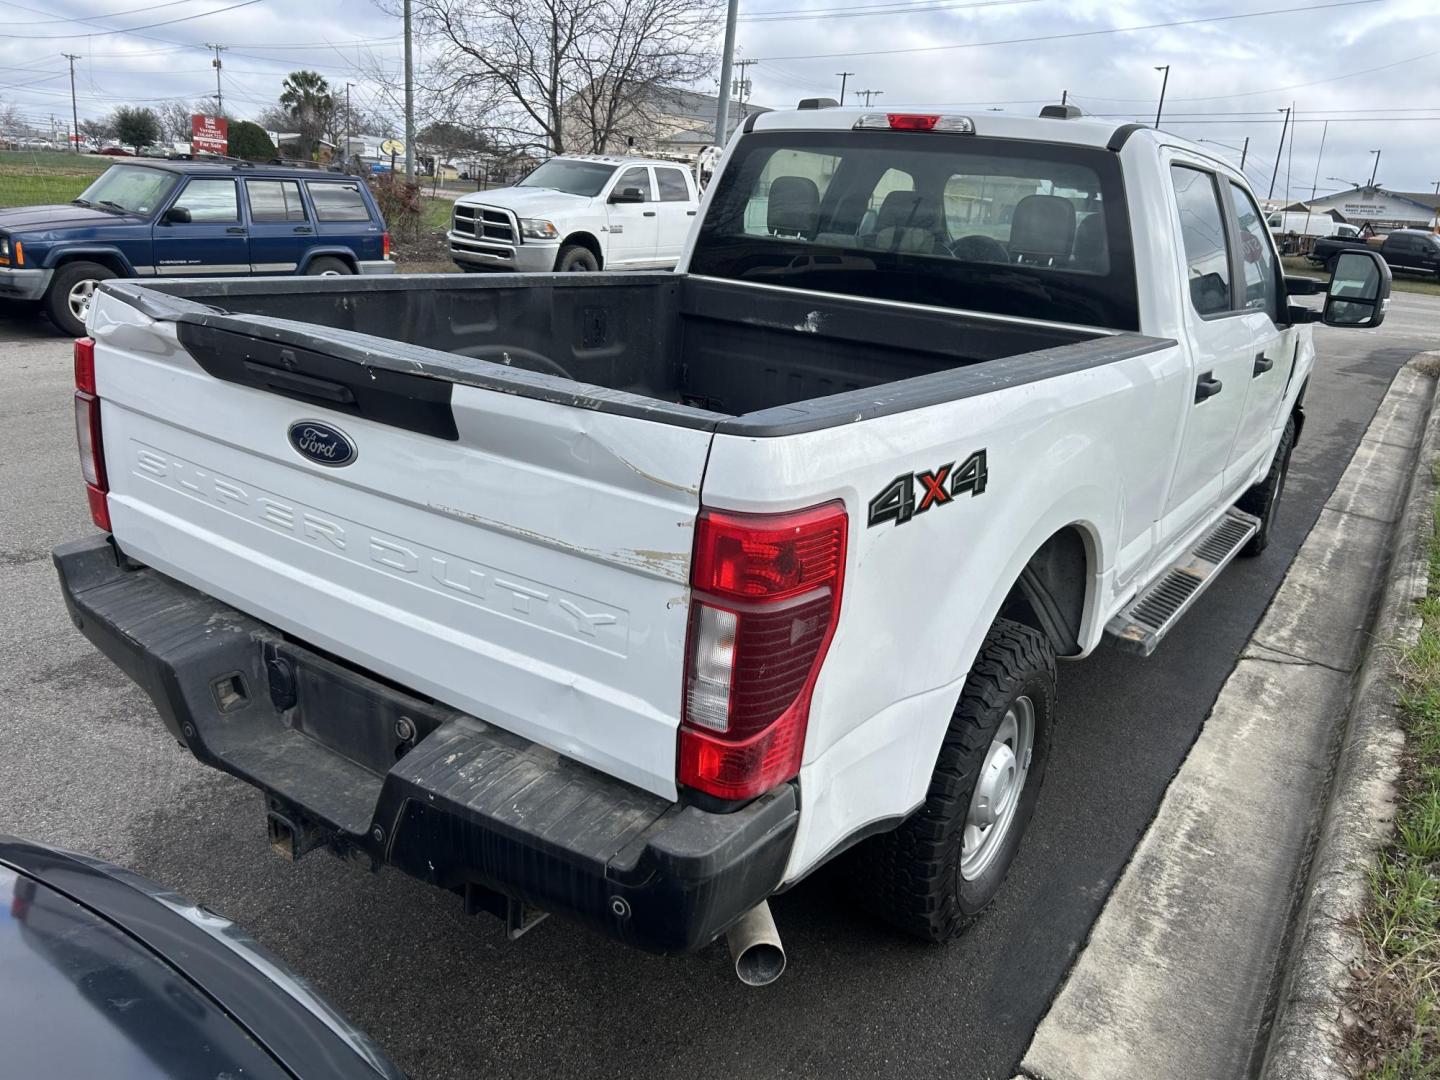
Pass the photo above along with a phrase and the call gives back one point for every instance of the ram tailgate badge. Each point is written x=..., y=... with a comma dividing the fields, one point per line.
x=322, y=443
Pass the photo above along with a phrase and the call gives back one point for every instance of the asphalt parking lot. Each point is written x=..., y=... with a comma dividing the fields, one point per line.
x=87, y=765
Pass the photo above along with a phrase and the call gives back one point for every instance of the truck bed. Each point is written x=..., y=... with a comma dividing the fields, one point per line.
x=698, y=352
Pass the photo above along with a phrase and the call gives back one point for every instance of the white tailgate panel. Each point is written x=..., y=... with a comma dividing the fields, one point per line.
x=532, y=573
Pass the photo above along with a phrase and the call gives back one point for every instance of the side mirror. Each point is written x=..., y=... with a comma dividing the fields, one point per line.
x=177, y=215
x=627, y=195
x=1359, y=291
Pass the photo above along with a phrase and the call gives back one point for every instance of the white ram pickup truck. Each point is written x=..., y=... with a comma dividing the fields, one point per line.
x=637, y=597
x=576, y=214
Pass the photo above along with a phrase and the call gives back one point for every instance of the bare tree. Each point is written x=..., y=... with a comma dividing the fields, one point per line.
x=11, y=122
x=565, y=74
x=98, y=130
x=174, y=119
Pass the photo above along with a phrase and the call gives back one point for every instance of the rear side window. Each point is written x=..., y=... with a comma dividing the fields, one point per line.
x=209, y=200
x=337, y=201
x=1202, y=231
x=275, y=200
x=1257, y=255
x=672, y=185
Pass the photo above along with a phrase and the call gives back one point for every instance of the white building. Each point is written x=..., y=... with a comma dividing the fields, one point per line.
x=1381, y=208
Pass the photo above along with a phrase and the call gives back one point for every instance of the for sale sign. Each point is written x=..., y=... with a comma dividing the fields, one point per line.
x=209, y=134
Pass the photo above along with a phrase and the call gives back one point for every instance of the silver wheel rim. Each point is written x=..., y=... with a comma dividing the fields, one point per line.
x=81, y=293
x=331, y=273
x=998, y=789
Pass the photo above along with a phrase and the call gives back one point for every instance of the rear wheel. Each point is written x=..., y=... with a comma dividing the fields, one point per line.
x=326, y=266
x=576, y=259
x=933, y=875
x=72, y=289
x=1263, y=500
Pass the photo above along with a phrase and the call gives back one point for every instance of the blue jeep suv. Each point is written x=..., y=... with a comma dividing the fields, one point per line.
x=188, y=219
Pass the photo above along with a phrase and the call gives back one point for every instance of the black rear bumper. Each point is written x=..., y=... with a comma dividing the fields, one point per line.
x=351, y=763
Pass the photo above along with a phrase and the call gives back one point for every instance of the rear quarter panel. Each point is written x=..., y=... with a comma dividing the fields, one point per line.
x=919, y=597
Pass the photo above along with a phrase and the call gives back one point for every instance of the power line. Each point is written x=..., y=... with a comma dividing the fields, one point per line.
x=88, y=18
x=794, y=14
x=1075, y=34
x=129, y=29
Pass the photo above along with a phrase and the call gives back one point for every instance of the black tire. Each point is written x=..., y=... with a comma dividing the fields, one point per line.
x=1263, y=500
x=912, y=877
x=327, y=266
x=57, y=300
x=576, y=259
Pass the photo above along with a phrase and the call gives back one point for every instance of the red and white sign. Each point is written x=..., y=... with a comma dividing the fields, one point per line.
x=209, y=134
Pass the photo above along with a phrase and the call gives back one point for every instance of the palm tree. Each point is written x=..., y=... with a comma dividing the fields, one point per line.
x=306, y=97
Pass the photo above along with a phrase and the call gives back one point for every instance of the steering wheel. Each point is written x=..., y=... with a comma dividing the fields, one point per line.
x=977, y=248
x=515, y=356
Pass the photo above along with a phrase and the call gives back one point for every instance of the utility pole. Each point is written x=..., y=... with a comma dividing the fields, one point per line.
x=743, y=83
x=74, y=115
x=409, y=102
x=1375, y=168
x=345, y=153
x=1283, y=127
x=868, y=94
x=727, y=57
x=1163, y=84
x=1437, y=186
x=219, y=94
x=844, y=75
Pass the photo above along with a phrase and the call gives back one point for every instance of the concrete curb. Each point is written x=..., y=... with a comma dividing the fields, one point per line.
x=1310, y=1017
x=1182, y=968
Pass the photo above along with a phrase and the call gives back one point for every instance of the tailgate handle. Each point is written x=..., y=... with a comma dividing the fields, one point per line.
x=321, y=389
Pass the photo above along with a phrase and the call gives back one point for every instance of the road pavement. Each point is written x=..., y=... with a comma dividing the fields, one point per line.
x=87, y=765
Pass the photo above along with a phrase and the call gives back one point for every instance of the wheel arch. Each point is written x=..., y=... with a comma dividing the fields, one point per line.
x=1054, y=589
x=344, y=254
x=108, y=257
x=587, y=240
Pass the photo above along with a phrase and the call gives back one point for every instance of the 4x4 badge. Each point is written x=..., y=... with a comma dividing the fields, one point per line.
x=899, y=502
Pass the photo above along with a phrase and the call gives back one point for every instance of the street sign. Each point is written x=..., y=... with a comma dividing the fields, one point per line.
x=209, y=134
x=392, y=147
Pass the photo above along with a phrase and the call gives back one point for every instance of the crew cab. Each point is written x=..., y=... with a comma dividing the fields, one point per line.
x=163, y=218
x=578, y=213
x=638, y=597
x=1409, y=251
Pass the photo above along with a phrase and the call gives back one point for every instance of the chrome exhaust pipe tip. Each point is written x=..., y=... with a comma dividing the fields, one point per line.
x=755, y=946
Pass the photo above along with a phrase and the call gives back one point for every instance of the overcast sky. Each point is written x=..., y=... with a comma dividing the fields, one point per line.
x=1380, y=60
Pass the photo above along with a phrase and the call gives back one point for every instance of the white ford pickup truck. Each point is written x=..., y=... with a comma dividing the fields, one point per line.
x=578, y=214
x=637, y=597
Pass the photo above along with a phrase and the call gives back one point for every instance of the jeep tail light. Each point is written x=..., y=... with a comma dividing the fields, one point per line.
x=87, y=433
x=385, y=245
x=766, y=597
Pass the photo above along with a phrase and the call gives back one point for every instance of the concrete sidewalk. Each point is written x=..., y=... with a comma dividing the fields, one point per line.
x=1183, y=966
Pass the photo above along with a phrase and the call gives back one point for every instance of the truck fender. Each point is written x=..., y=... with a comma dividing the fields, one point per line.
x=589, y=240
x=105, y=254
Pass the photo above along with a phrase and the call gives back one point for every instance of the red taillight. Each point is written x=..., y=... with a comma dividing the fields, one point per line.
x=385, y=245
x=87, y=433
x=766, y=599
x=912, y=121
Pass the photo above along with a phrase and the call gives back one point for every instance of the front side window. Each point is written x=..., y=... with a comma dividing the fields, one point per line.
x=337, y=201
x=275, y=200
x=133, y=189
x=1257, y=255
x=637, y=179
x=1202, y=232
x=1035, y=230
x=671, y=183
x=209, y=201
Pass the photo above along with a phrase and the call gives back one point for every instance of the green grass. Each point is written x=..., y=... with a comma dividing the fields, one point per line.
x=1396, y=991
x=435, y=213
x=36, y=177
x=1411, y=283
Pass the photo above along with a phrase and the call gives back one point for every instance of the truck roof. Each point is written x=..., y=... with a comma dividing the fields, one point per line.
x=619, y=159
x=1075, y=131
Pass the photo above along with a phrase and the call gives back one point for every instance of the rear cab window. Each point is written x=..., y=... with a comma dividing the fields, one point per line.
x=1036, y=230
x=336, y=200
x=672, y=185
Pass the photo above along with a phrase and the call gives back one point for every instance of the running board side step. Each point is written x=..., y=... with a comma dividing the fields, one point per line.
x=1145, y=620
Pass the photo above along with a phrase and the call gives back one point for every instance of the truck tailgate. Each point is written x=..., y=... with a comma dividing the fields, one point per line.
x=528, y=566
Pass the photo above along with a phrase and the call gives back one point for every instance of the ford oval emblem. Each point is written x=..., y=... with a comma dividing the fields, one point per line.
x=322, y=443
